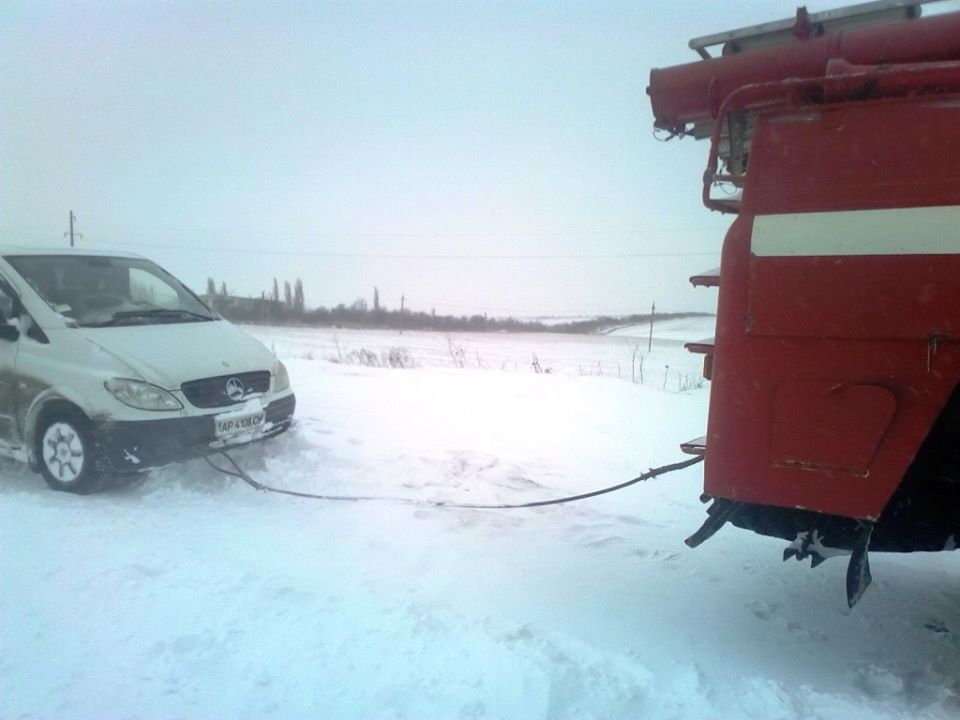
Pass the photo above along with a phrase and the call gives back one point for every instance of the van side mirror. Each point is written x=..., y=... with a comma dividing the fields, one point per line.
x=6, y=306
x=7, y=331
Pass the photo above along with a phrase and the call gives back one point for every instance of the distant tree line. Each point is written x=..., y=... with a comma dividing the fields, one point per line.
x=271, y=308
x=268, y=308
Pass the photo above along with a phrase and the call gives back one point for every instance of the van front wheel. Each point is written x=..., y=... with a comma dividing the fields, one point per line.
x=67, y=453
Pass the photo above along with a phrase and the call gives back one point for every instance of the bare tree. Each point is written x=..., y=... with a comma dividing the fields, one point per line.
x=298, y=301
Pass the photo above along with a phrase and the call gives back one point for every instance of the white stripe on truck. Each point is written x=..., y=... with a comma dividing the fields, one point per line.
x=902, y=231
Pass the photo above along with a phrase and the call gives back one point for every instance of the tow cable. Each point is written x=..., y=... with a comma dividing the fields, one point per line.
x=238, y=472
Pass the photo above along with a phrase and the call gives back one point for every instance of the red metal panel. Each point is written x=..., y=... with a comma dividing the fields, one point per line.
x=740, y=436
x=747, y=372
x=881, y=154
x=908, y=297
x=824, y=426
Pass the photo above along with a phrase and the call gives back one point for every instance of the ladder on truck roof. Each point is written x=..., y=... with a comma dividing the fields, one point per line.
x=806, y=25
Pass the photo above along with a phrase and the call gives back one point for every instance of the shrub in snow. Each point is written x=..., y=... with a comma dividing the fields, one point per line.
x=458, y=353
x=395, y=357
x=362, y=356
x=399, y=357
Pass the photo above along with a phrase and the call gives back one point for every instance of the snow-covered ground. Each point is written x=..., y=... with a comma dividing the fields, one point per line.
x=189, y=595
x=621, y=354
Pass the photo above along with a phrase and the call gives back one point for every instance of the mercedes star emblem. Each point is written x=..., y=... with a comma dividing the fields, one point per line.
x=235, y=389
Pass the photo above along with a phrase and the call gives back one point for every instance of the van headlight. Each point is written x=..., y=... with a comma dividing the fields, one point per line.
x=141, y=395
x=281, y=380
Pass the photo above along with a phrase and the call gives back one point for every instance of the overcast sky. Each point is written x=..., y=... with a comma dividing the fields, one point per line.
x=473, y=156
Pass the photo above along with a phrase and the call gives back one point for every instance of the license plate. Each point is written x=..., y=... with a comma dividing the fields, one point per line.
x=233, y=424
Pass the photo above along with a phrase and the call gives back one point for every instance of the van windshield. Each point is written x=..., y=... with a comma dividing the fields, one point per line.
x=101, y=291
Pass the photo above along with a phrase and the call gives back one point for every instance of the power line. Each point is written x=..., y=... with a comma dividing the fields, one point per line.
x=422, y=235
x=409, y=256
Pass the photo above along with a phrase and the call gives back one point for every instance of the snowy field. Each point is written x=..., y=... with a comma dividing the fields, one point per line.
x=622, y=353
x=189, y=595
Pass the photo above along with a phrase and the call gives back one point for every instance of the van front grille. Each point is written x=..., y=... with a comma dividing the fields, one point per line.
x=213, y=392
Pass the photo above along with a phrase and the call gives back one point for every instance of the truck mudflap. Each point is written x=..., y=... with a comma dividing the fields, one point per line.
x=924, y=515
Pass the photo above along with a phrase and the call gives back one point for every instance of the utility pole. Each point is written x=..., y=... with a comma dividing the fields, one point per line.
x=653, y=311
x=71, y=234
x=402, y=300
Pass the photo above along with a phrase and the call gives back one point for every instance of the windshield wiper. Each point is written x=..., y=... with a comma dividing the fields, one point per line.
x=121, y=316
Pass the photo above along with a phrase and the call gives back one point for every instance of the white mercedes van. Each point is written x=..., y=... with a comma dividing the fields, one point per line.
x=109, y=365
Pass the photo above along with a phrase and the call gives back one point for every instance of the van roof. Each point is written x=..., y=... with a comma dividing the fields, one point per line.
x=14, y=250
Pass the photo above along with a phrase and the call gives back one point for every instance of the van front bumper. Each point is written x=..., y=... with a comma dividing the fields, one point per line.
x=130, y=446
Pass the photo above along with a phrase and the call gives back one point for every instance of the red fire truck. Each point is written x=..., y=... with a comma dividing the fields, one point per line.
x=834, y=416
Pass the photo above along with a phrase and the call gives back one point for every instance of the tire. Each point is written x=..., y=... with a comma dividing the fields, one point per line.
x=67, y=453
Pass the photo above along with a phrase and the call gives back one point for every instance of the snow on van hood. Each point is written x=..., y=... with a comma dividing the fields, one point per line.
x=169, y=354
